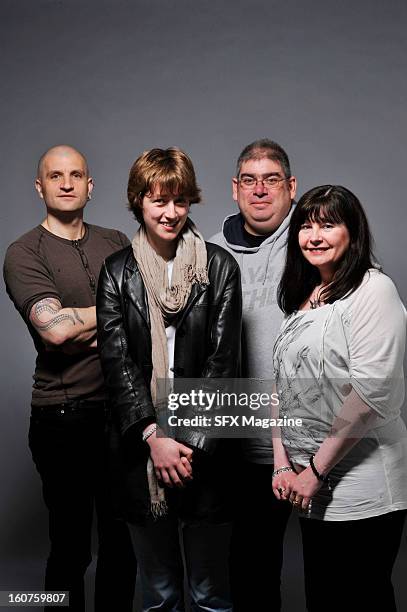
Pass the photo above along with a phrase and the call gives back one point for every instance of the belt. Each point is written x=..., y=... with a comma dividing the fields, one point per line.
x=71, y=406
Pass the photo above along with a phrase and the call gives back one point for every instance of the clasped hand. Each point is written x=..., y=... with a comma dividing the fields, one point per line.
x=296, y=488
x=172, y=461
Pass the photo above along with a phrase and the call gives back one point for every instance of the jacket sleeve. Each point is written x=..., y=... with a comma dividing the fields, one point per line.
x=223, y=360
x=128, y=392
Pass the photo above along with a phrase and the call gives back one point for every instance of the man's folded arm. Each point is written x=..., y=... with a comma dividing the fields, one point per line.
x=66, y=329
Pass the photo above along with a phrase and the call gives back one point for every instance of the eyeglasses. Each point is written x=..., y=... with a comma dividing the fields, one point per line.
x=271, y=182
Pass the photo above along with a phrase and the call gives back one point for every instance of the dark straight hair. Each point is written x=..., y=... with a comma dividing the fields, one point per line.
x=334, y=204
x=264, y=148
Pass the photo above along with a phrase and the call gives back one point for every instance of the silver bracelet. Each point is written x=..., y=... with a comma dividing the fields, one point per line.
x=149, y=432
x=287, y=468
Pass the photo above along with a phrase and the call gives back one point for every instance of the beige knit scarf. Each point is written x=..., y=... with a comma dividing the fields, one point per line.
x=165, y=303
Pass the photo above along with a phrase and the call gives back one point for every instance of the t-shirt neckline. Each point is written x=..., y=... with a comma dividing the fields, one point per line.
x=80, y=241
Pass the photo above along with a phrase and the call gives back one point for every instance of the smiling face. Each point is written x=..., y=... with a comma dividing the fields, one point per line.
x=263, y=208
x=323, y=244
x=63, y=181
x=164, y=216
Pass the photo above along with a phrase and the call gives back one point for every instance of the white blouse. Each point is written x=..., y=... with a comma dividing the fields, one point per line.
x=171, y=329
x=319, y=356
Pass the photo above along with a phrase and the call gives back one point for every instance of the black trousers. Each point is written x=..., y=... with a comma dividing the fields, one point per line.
x=348, y=564
x=257, y=540
x=69, y=447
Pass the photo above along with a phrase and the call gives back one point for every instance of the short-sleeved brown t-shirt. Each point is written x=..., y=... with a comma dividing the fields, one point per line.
x=40, y=265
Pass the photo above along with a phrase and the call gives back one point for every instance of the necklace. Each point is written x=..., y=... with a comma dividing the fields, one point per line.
x=315, y=299
x=82, y=232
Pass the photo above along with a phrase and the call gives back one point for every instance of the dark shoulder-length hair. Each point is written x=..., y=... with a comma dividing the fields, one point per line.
x=334, y=204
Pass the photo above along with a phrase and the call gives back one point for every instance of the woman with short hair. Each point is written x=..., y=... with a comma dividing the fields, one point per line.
x=170, y=306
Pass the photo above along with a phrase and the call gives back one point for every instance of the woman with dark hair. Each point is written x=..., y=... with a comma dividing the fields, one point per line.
x=339, y=370
x=169, y=306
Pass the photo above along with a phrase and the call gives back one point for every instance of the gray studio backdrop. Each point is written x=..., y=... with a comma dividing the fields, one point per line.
x=325, y=78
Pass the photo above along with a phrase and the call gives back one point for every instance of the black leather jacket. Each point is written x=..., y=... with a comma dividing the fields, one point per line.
x=207, y=341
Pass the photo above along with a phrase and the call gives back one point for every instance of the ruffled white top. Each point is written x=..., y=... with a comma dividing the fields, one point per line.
x=319, y=355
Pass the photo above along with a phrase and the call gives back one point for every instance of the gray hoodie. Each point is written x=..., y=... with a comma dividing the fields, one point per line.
x=261, y=269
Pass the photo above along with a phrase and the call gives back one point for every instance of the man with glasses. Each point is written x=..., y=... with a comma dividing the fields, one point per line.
x=264, y=190
x=51, y=274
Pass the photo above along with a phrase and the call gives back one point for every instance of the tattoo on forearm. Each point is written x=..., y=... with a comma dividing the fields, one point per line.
x=55, y=321
x=51, y=307
x=77, y=317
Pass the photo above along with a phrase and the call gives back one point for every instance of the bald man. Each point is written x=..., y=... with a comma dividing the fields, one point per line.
x=51, y=275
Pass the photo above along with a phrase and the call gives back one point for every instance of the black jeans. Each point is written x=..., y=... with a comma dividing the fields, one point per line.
x=69, y=447
x=257, y=540
x=348, y=564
